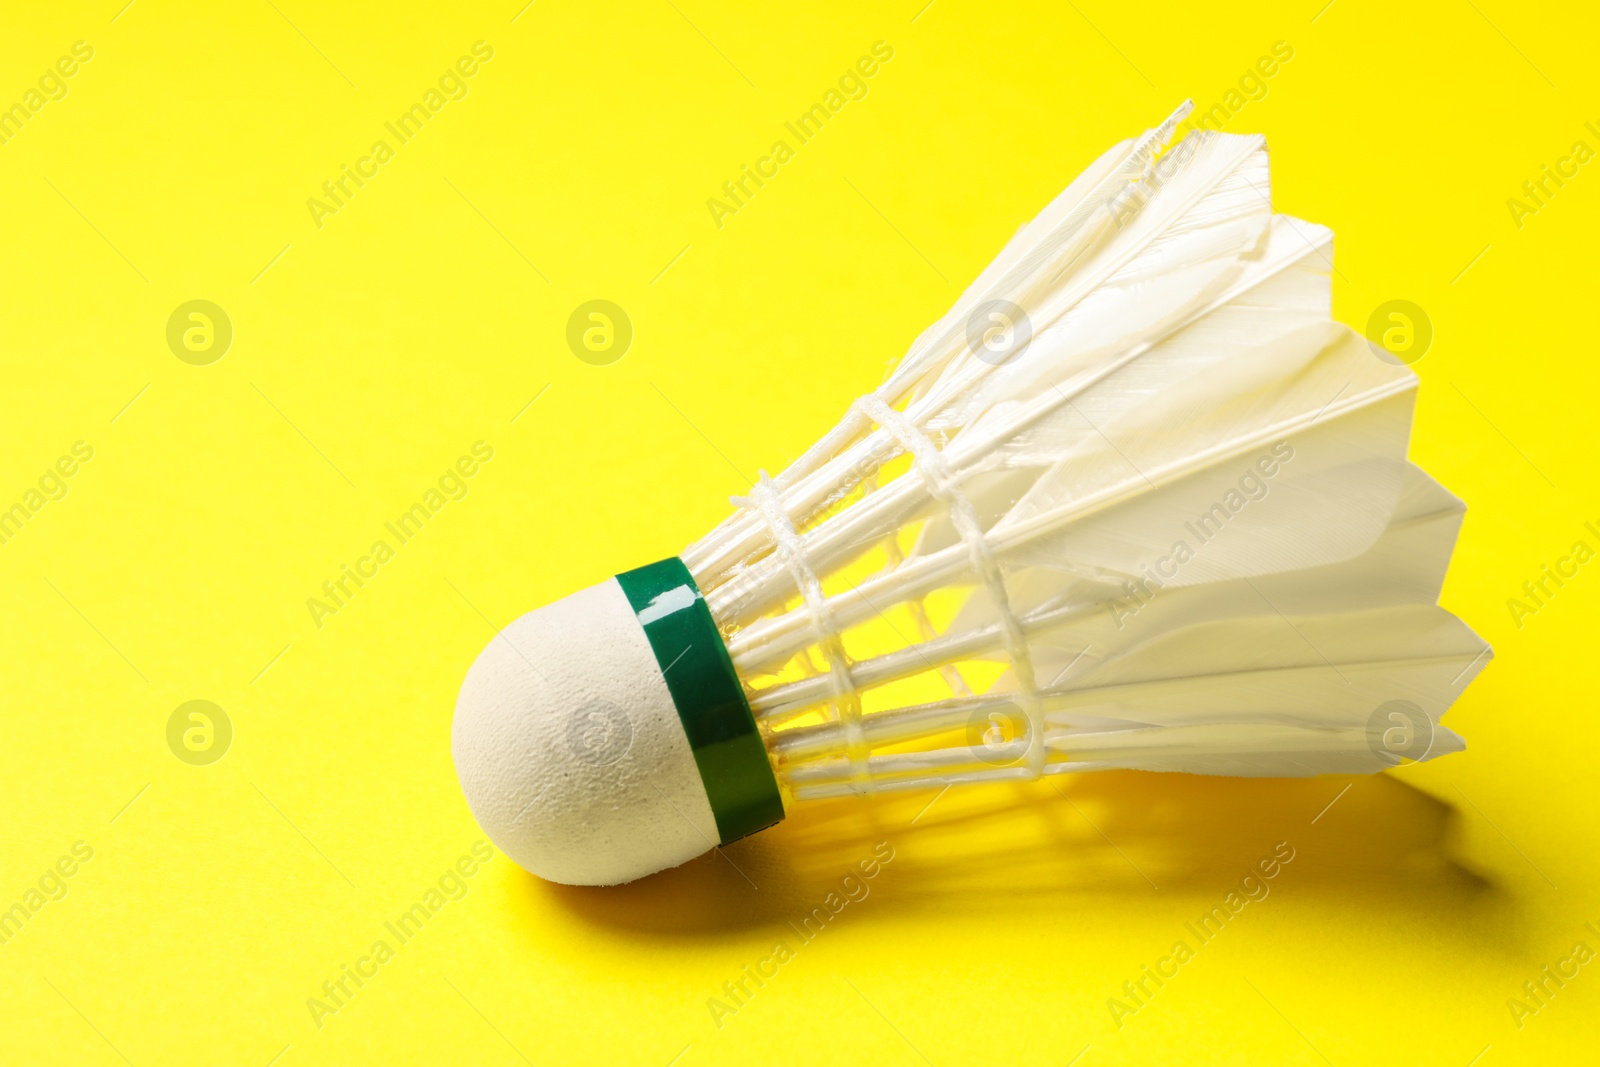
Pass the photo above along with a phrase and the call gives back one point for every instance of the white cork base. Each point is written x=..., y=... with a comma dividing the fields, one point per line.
x=570, y=750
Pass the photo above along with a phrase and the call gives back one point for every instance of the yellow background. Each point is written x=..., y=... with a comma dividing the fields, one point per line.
x=369, y=353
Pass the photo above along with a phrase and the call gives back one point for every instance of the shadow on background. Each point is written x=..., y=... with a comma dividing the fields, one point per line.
x=1097, y=841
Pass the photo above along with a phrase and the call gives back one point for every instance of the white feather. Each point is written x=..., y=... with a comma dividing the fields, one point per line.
x=1191, y=488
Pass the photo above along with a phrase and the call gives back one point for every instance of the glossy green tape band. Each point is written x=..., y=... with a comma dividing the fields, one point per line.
x=711, y=705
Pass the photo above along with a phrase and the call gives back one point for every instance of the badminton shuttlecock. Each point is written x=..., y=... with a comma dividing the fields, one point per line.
x=1134, y=502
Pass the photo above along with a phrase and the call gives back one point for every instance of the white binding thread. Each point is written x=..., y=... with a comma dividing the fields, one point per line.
x=846, y=696
x=930, y=465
